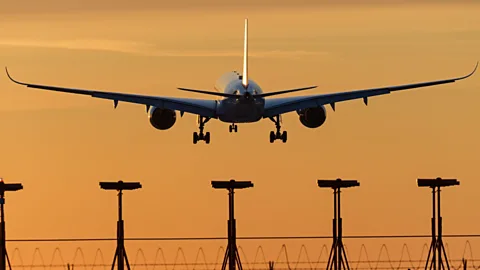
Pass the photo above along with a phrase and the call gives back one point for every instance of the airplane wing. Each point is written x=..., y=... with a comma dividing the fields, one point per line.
x=202, y=107
x=277, y=106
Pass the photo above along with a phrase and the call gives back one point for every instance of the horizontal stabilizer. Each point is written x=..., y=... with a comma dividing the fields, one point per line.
x=236, y=96
x=284, y=91
x=207, y=92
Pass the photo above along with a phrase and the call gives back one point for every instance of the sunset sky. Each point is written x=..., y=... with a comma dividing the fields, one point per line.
x=61, y=145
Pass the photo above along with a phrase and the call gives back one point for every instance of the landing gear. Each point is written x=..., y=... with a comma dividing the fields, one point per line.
x=233, y=127
x=277, y=135
x=200, y=136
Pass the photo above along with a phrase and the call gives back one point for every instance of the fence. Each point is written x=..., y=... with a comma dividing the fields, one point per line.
x=290, y=252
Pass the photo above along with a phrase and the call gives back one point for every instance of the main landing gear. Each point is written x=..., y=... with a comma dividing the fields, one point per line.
x=277, y=135
x=233, y=127
x=201, y=136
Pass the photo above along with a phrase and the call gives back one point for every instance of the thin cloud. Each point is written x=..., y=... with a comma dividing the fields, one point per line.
x=62, y=6
x=94, y=44
x=145, y=49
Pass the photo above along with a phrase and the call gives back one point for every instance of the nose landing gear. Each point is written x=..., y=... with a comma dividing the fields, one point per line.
x=277, y=135
x=233, y=127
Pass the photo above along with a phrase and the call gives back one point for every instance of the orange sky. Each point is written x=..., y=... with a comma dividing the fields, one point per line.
x=60, y=146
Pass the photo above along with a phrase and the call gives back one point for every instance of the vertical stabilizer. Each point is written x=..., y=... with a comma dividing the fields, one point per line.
x=245, y=56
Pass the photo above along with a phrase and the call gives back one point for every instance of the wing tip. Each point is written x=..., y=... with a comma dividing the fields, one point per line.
x=8, y=74
x=10, y=77
x=475, y=69
x=470, y=74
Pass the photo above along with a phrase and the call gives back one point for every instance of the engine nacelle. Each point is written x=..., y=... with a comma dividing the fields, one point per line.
x=162, y=118
x=313, y=117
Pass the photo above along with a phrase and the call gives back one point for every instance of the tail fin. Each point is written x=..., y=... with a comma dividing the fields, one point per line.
x=245, y=56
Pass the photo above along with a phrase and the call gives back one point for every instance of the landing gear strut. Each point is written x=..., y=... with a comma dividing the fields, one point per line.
x=277, y=135
x=233, y=127
x=201, y=136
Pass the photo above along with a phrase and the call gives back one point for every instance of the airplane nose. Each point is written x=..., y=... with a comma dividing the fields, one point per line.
x=247, y=95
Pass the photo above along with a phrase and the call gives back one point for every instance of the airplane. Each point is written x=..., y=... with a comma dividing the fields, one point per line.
x=240, y=100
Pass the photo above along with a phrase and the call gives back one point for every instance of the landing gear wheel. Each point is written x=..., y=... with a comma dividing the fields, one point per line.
x=272, y=136
x=195, y=137
x=236, y=128
x=207, y=137
x=284, y=137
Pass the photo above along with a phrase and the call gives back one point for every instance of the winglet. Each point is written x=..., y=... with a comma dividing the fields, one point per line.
x=13, y=80
x=245, y=56
x=464, y=77
x=475, y=68
x=6, y=70
x=10, y=77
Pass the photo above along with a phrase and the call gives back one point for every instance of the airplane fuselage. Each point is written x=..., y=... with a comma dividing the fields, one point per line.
x=245, y=108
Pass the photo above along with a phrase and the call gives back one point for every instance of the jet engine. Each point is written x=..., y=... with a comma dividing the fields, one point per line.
x=313, y=117
x=162, y=118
